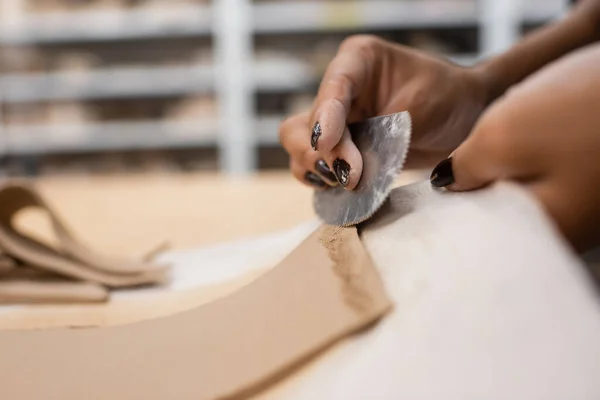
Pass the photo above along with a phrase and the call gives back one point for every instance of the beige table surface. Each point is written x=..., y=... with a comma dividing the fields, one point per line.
x=131, y=214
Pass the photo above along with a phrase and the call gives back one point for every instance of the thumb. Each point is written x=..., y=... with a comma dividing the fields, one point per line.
x=471, y=166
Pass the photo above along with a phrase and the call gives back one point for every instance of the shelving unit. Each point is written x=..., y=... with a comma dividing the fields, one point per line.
x=107, y=84
x=139, y=135
x=277, y=75
x=241, y=74
x=103, y=25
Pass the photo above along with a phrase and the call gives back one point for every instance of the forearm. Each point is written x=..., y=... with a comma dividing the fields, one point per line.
x=557, y=112
x=541, y=47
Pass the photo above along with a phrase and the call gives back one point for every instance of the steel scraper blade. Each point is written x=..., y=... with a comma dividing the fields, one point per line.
x=383, y=143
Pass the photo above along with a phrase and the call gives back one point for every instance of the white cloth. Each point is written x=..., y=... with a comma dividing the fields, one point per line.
x=490, y=304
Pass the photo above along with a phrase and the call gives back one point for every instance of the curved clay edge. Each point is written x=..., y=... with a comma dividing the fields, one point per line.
x=302, y=322
x=27, y=196
x=119, y=310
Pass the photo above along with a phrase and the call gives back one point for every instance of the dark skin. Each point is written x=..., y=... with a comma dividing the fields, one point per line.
x=544, y=134
x=517, y=135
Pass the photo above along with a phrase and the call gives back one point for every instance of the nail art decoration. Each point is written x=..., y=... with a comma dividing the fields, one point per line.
x=314, y=179
x=342, y=171
x=442, y=174
x=316, y=134
x=322, y=168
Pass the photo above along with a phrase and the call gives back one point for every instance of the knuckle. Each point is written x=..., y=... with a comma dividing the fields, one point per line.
x=286, y=127
x=419, y=97
x=297, y=170
x=335, y=106
x=494, y=137
x=306, y=158
x=343, y=82
x=334, y=88
x=361, y=42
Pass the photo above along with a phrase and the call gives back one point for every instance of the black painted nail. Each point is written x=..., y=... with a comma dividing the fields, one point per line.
x=442, y=174
x=314, y=179
x=342, y=171
x=316, y=134
x=324, y=171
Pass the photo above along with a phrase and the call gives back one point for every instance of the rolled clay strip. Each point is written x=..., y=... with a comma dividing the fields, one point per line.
x=229, y=348
x=74, y=260
x=28, y=291
x=7, y=264
x=26, y=285
x=46, y=258
x=16, y=196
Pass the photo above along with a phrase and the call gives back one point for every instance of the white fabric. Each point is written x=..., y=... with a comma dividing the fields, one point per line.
x=191, y=271
x=490, y=304
x=219, y=264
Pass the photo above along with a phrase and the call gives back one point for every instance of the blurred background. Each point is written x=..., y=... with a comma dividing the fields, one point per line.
x=171, y=86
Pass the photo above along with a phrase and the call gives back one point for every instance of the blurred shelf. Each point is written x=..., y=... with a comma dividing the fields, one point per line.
x=268, y=17
x=107, y=83
x=123, y=136
x=540, y=11
x=107, y=136
x=107, y=25
x=283, y=74
x=266, y=130
x=290, y=79
x=269, y=75
x=273, y=75
x=328, y=15
x=308, y=16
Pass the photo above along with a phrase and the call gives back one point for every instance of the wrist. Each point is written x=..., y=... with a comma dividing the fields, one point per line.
x=587, y=14
x=536, y=50
x=487, y=81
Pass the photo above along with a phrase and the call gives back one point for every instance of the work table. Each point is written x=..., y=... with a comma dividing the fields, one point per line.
x=131, y=214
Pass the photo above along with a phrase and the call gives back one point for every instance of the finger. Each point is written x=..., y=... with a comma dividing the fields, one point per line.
x=494, y=151
x=305, y=176
x=569, y=212
x=465, y=170
x=314, y=163
x=346, y=162
x=345, y=79
x=294, y=135
x=555, y=206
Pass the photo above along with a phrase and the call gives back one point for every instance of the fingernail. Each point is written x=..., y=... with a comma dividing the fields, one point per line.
x=442, y=174
x=314, y=179
x=342, y=171
x=316, y=134
x=324, y=171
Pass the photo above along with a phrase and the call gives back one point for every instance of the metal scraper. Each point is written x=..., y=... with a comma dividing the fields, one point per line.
x=383, y=143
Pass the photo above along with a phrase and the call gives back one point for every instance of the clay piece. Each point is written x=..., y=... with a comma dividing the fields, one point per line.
x=229, y=348
x=69, y=271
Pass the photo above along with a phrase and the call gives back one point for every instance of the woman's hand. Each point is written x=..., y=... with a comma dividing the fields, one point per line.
x=544, y=133
x=370, y=77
